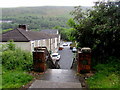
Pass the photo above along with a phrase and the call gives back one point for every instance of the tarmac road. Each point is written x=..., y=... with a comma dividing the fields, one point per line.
x=66, y=57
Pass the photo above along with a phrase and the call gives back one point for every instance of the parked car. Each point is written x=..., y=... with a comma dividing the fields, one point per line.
x=61, y=47
x=55, y=56
x=74, y=50
x=65, y=44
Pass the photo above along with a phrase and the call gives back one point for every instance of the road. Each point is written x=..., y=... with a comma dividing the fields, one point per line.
x=66, y=57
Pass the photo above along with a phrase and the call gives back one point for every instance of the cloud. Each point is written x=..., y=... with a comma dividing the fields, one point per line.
x=20, y=3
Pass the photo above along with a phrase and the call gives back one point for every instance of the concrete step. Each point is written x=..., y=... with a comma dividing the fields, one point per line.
x=60, y=75
x=50, y=84
x=57, y=78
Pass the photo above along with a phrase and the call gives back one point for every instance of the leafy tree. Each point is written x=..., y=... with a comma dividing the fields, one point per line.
x=66, y=33
x=99, y=29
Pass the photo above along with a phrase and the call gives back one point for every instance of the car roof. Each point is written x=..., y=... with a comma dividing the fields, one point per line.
x=55, y=54
x=64, y=43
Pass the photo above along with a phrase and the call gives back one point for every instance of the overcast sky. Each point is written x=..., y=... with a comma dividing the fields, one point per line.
x=23, y=3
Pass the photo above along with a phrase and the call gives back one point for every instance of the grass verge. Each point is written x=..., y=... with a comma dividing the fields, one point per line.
x=107, y=76
x=15, y=78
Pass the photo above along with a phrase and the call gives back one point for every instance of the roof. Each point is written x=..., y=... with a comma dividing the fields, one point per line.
x=50, y=31
x=21, y=35
x=55, y=54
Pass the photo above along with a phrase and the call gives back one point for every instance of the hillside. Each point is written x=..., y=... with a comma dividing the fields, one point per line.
x=37, y=17
x=45, y=10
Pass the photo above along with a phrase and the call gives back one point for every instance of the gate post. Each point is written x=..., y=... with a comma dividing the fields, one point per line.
x=84, y=60
x=39, y=61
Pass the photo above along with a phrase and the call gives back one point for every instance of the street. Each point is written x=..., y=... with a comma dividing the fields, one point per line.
x=66, y=57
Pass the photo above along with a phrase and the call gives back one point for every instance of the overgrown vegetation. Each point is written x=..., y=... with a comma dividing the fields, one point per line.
x=107, y=75
x=15, y=64
x=99, y=29
x=15, y=78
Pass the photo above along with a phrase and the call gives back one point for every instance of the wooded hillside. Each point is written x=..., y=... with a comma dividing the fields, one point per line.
x=37, y=17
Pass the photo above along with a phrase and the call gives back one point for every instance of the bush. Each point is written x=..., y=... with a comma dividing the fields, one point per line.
x=112, y=65
x=15, y=63
x=17, y=59
x=98, y=29
x=10, y=45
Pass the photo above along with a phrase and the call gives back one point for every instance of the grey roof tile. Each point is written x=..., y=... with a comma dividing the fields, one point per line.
x=20, y=35
x=50, y=31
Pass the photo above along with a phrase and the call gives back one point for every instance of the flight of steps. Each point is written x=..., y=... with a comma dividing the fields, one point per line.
x=57, y=78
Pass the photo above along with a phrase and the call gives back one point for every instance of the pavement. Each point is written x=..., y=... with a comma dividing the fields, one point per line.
x=57, y=78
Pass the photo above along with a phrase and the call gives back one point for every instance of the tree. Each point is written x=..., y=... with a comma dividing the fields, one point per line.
x=99, y=29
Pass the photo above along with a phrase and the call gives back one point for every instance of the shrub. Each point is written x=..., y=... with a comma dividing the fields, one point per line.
x=15, y=63
x=10, y=45
x=17, y=59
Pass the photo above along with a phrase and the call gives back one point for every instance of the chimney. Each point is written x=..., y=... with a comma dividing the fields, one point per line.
x=23, y=27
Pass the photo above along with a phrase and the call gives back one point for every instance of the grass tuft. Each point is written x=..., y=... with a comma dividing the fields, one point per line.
x=15, y=79
x=107, y=76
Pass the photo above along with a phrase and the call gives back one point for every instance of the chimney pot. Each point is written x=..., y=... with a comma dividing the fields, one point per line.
x=23, y=27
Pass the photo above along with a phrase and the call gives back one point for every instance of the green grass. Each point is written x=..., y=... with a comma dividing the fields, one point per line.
x=107, y=76
x=3, y=31
x=0, y=81
x=15, y=64
x=15, y=78
x=103, y=81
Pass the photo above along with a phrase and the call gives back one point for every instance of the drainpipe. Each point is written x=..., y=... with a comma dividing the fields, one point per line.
x=50, y=45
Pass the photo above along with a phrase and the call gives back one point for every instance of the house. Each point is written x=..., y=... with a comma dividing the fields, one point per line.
x=53, y=32
x=27, y=40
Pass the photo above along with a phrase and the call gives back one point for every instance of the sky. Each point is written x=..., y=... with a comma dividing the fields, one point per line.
x=26, y=3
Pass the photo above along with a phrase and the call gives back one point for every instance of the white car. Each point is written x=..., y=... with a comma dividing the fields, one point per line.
x=61, y=46
x=55, y=56
x=74, y=50
x=65, y=44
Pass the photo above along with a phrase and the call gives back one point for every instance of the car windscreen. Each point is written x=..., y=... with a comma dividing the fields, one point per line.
x=54, y=55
